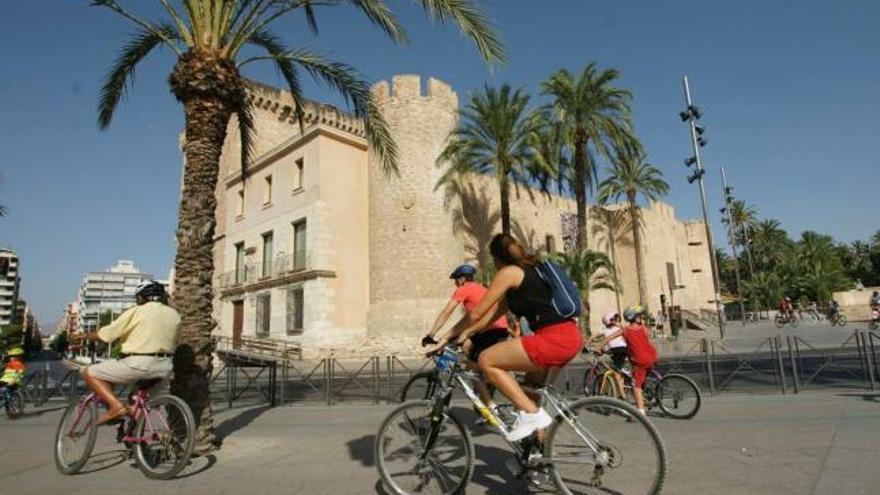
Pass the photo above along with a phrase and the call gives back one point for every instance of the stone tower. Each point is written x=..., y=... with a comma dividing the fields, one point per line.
x=412, y=245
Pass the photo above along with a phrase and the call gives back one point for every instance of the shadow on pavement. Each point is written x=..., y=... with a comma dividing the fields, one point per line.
x=40, y=412
x=206, y=462
x=866, y=396
x=361, y=449
x=105, y=460
x=239, y=421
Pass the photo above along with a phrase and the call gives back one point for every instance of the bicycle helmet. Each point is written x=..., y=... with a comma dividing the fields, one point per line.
x=630, y=313
x=15, y=351
x=463, y=271
x=150, y=290
x=609, y=318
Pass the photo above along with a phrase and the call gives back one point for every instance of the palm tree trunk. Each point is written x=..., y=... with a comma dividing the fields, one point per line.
x=207, y=88
x=580, y=195
x=637, y=241
x=504, y=186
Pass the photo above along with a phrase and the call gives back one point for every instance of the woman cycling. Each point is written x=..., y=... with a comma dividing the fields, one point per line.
x=518, y=288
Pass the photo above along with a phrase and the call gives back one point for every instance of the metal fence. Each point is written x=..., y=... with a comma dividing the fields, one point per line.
x=775, y=364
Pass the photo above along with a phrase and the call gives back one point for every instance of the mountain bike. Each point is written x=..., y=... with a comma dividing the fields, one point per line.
x=677, y=396
x=790, y=319
x=594, y=445
x=159, y=433
x=13, y=401
x=837, y=319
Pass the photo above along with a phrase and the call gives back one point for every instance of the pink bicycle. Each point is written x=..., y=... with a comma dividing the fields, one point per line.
x=159, y=433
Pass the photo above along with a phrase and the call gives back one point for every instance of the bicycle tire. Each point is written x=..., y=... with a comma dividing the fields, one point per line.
x=183, y=448
x=431, y=379
x=841, y=320
x=629, y=471
x=90, y=416
x=611, y=391
x=420, y=409
x=687, y=384
x=780, y=321
x=14, y=405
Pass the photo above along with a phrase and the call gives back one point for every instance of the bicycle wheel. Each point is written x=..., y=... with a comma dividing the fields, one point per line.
x=841, y=320
x=780, y=321
x=793, y=321
x=593, y=453
x=166, y=437
x=404, y=465
x=15, y=405
x=422, y=386
x=75, y=437
x=678, y=396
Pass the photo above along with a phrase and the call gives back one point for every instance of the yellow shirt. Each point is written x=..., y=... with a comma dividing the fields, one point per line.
x=145, y=329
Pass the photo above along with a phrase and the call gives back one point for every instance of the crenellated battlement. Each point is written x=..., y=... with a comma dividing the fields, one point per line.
x=280, y=103
x=407, y=87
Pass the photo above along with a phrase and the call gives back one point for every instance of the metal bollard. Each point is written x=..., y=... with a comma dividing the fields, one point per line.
x=794, y=369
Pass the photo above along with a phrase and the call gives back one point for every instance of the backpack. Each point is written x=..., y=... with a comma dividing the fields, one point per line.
x=564, y=295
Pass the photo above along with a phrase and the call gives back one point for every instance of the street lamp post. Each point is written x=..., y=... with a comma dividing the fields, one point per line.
x=691, y=115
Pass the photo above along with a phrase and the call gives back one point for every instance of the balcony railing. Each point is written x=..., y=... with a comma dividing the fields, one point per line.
x=280, y=266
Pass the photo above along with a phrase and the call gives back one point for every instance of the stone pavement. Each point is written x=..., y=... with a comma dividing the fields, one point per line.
x=813, y=443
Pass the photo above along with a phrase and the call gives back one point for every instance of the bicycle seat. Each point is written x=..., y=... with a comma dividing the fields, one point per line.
x=147, y=384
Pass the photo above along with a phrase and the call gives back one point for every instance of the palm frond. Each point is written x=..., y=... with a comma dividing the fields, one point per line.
x=380, y=15
x=143, y=23
x=272, y=44
x=356, y=92
x=121, y=75
x=473, y=23
x=247, y=131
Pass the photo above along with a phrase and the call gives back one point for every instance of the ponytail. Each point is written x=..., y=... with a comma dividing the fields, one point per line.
x=509, y=251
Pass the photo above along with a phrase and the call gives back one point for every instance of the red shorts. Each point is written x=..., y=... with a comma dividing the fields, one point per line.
x=640, y=373
x=554, y=345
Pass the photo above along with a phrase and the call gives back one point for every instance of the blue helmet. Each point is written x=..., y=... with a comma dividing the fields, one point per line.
x=463, y=271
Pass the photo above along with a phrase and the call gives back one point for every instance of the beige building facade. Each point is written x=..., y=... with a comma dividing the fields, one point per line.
x=319, y=245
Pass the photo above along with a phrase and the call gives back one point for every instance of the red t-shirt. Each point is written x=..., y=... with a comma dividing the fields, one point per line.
x=470, y=294
x=641, y=351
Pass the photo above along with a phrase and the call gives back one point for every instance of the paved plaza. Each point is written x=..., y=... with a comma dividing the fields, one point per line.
x=814, y=443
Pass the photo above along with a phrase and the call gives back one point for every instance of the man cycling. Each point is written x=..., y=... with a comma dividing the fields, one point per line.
x=469, y=293
x=833, y=309
x=786, y=309
x=13, y=373
x=148, y=333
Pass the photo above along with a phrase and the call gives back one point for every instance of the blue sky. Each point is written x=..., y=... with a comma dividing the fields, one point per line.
x=788, y=88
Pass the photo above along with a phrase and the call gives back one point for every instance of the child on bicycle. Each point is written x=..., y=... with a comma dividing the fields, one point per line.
x=15, y=369
x=616, y=348
x=642, y=353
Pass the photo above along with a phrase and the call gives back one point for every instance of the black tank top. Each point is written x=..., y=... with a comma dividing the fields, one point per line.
x=531, y=300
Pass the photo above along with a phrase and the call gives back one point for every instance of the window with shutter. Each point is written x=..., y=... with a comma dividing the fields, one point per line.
x=294, y=311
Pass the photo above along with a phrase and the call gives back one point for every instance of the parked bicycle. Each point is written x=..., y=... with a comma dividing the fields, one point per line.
x=786, y=319
x=594, y=444
x=677, y=396
x=159, y=433
x=13, y=402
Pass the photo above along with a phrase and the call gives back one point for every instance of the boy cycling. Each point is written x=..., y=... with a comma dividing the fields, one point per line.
x=15, y=368
x=642, y=353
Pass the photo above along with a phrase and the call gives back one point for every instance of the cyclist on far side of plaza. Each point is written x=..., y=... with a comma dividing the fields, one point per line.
x=833, y=309
x=148, y=333
x=616, y=348
x=469, y=293
x=875, y=301
x=642, y=353
x=15, y=368
x=518, y=288
x=786, y=308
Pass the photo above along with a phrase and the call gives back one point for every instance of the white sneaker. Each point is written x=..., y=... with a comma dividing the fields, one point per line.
x=526, y=424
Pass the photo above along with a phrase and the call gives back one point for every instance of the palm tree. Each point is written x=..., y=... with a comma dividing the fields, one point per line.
x=613, y=221
x=494, y=137
x=770, y=245
x=629, y=177
x=589, y=270
x=207, y=37
x=594, y=117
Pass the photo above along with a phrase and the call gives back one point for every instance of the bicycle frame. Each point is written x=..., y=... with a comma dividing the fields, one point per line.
x=140, y=405
x=549, y=398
